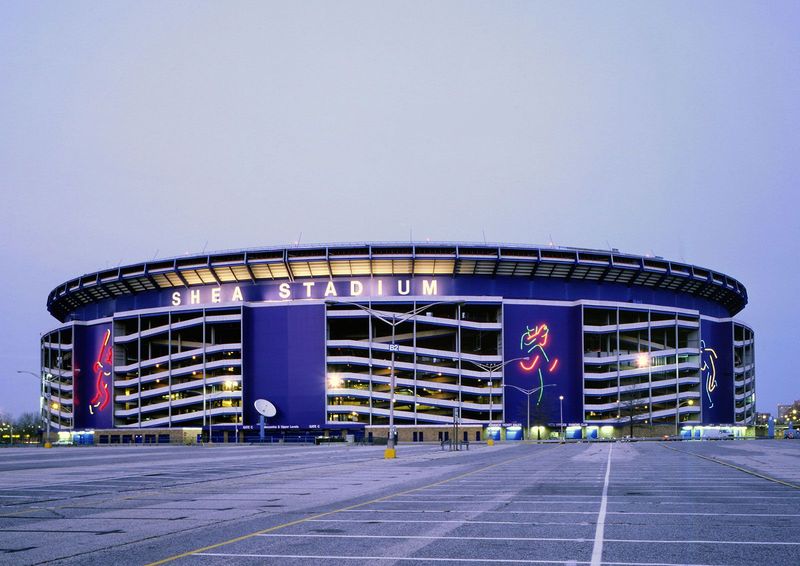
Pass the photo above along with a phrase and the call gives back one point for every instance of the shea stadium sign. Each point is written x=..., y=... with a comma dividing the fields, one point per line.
x=312, y=289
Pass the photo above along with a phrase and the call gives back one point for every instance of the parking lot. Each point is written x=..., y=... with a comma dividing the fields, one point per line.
x=723, y=502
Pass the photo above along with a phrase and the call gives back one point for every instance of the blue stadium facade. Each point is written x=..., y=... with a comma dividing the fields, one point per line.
x=497, y=337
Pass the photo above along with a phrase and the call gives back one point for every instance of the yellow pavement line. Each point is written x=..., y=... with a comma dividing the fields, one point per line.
x=735, y=467
x=318, y=515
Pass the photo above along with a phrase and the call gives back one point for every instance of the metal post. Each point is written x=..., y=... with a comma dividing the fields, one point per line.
x=528, y=422
x=394, y=322
x=49, y=411
x=491, y=368
x=390, y=443
x=491, y=382
x=47, y=394
x=561, y=418
x=528, y=393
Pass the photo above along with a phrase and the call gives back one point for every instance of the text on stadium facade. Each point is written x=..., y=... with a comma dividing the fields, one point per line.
x=325, y=289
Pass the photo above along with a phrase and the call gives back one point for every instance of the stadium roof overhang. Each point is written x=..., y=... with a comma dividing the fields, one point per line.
x=384, y=259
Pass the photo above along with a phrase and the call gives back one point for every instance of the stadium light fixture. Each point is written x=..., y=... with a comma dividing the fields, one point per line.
x=491, y=368
x=47, y=393
x=528, y=393
x=394, y=320
x=335, y=381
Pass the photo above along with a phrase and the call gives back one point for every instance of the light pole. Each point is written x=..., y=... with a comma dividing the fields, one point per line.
x=561, y=418
x=491, y=368
x=689, y=403
x=528, y=393
x=48, y=396
x=395, y=321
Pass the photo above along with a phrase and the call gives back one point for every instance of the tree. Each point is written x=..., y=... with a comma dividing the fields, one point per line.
x=6, y=426
x=27, y=425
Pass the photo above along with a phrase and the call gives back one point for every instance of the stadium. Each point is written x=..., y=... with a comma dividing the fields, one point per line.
x=480, y=340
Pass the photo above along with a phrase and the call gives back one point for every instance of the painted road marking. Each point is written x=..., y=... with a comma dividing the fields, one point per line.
x=597, y=550
x=436, y=522
x=431, y=559
x=326, y=513
x=506, y=512
x=735, y=467
x=527, y=539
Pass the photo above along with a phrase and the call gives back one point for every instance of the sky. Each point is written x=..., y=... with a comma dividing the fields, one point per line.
x=139, y=130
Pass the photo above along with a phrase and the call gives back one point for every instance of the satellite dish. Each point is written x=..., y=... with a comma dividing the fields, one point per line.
x=265, y=408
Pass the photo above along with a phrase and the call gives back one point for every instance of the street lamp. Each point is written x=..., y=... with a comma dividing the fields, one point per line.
x=561, y=418
x=395, y=321
x=528, y=393
x=681, y=403
x=491, y=368
x=46, y=379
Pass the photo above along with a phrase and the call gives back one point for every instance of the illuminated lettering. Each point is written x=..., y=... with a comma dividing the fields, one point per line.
x=400, y=290
x=429, y=287
x=311, y=289
x=330, y=290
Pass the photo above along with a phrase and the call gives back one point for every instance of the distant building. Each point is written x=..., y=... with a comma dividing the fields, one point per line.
x=787, y=413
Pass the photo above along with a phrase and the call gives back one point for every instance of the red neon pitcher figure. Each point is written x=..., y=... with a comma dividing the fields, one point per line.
x=533, y=342
x=104, y=360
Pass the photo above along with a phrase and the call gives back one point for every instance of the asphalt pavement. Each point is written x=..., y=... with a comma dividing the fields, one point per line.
x=713, y=502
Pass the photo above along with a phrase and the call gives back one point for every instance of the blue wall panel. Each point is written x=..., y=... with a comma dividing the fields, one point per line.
x=717, y=371
x=93, y=347
x=284, y=362
x=551, y=337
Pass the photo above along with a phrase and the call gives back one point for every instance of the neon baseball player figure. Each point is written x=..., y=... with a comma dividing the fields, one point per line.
x=533, y=343
x=709, y=370
x=102, y=370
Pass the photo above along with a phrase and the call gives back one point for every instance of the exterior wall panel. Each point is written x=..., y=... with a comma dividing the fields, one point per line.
x=284, y=362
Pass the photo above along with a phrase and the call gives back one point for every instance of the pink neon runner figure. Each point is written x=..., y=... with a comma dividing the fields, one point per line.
x=533, y=343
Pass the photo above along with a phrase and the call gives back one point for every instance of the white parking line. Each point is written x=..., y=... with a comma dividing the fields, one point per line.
x=436, y=522
x=734, y=542
x=528, y=539
x=476, y=511
x=428, y=559
x=691, y=514
x=425, y=559
x=506, y=501
x=597, y=550
x=507, y=512
x=38, y=489
x=424, y=537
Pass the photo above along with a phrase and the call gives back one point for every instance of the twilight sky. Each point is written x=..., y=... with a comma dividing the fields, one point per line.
x=134, y=130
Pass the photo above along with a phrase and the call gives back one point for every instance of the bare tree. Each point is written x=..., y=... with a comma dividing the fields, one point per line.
x=27, y=425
